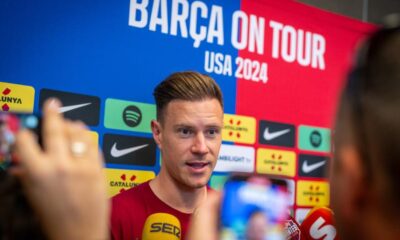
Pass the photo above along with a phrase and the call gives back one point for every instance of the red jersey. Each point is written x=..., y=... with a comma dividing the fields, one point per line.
x=131, y=208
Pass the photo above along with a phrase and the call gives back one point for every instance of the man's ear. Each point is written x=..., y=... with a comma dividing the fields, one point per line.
x=157, y=133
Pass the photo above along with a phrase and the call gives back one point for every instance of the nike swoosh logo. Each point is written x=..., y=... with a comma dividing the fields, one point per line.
x=72, y=107
x=309, y=168
x=122, y=152
x=270, y=136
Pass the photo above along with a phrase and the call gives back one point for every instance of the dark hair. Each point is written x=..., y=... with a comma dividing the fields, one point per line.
x=189, y=86
x=369, y=112
x=17, y=219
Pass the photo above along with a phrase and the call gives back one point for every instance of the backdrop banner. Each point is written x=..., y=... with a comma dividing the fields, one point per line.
x=280, y=65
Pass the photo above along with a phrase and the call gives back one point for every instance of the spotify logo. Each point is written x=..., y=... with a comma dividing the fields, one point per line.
x=132, y=116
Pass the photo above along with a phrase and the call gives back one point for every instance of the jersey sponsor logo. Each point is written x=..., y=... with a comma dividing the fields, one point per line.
x=312, y=193
x=75, y=106
x=235, y=159
x=276, y=162
x=129, y=150
x=313, y=166
x=121, y=180
x=314, y=138
x=239, y=129
x=130, y=116
x=16, y=98
x=277, y=134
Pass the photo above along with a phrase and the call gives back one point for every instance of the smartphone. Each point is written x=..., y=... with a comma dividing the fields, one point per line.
x=10, y=124
x=254, y=207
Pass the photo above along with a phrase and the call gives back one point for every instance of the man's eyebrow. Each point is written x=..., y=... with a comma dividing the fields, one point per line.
x=179, y=125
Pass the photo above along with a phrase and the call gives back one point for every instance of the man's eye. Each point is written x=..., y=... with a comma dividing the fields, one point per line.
x=212, y=132
x=185, y=132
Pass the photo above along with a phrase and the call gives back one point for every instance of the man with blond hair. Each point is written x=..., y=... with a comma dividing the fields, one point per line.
x=188, y=133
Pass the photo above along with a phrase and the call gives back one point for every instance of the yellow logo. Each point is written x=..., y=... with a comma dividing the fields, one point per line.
x=311, y=193
x=121, y=180
x=16, y=98
x=277, y=162
x=239, y=129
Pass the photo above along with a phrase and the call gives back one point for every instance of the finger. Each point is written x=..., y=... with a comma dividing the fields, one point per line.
x=78, y=133
x=206, y=217
x=29, y=154
x=54, y=138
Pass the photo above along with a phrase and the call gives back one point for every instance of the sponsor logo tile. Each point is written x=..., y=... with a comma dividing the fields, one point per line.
x=312, y=193
x=75, y=106
x=314, y=138
x=130, y=116
x=129, y=150
x=276, y=134
x=16, y=98
x=276, y=162
x=235, y=159
x=121, y=180
x=313, y=166
x=239, y=129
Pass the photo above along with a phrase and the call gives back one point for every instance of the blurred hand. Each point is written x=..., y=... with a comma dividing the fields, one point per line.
x=64, y=182
x=205, y=219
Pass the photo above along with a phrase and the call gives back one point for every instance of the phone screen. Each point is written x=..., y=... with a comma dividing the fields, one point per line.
x=10, y=123
x=254, y=208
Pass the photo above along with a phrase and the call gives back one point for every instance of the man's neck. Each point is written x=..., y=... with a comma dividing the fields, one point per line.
x=177, y=196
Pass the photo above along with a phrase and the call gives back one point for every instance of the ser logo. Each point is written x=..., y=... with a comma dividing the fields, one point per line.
x=165, y=228
x=132, y=116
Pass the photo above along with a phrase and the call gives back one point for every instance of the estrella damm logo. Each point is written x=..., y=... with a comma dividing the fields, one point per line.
x=16, y=98
x=131, y=116
x=314, y=138
x=312, y=193
x=239, y=129
x=276, y=162
x=121, y=180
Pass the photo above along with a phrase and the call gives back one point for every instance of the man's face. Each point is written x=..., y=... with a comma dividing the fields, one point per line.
x=190, y=138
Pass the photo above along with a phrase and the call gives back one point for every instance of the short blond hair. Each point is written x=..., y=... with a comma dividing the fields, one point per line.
x=189, y=86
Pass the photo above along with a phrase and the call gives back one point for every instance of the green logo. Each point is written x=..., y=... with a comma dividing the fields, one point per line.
x=130, y=116
x=314, y=138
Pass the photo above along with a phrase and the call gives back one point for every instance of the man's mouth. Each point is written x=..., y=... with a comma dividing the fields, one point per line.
x=197, y=165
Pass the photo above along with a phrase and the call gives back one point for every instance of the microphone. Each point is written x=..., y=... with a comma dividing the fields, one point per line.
x=319, y=225
x=293, y=230
x=161, y=226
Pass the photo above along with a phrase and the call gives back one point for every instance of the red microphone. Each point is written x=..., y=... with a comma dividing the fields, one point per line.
x=319, y=225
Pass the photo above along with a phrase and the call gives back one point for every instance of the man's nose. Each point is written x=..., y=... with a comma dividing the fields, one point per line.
x=199, y=144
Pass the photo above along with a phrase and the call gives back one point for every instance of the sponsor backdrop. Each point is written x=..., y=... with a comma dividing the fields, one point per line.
x=280, y=65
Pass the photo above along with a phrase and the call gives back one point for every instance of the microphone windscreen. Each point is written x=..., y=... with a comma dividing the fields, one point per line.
x=319, y=225
x=161, y=226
